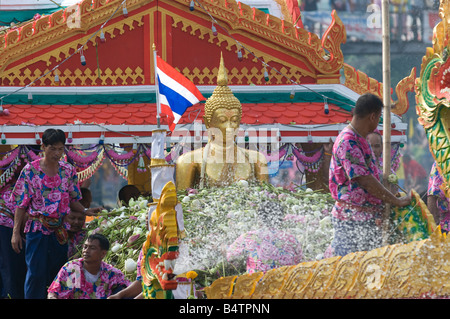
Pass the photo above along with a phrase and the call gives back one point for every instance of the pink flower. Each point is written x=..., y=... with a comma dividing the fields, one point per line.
x=52, y=182
x=100, y=292
x=64, y=202
x=356, y=153
x=359, y=171
x=192, y=191
x=20, y=186
x=133, y=238
x=52, y=209
x=65, y=184
x=36, y=182
x=359, y=196
x=54, y=196
x=267, y=251
x=38, y=203
x=339, y=175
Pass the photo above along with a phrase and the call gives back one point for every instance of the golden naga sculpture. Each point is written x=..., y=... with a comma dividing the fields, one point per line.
x=221, y=162
x=433, y=95
x=165, y=227
x=415, y=270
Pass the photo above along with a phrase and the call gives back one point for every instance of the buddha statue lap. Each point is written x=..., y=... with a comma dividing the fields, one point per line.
x=221, y=161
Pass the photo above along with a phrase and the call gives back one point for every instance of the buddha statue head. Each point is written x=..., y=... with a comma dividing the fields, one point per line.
x=223, y=111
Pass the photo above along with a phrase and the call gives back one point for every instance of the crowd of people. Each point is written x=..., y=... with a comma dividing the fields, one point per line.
x=42, y=216
x=43, y=213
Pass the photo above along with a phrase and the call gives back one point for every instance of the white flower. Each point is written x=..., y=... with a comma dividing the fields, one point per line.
x=130, y=265
x=143, y=204
x=393, y=179
x=185, y=199
x=196, y=203
x=242, y=183
x=116, y=247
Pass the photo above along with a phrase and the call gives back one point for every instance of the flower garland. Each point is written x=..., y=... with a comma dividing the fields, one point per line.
x=80, y=160
x=9, y=171
x=121, y=161
x=124, y=159
x=11, y=162
x=92, y=168
x=310, y=163
x=120, y=157
x=9, y=157
x=122, y=171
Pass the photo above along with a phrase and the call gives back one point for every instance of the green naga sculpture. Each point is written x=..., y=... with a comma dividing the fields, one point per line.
x=433, y=95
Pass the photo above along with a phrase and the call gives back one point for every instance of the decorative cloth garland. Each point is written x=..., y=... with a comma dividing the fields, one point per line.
x=88, y=160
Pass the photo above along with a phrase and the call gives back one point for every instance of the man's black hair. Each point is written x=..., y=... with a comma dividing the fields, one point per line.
x=127, y=192
x=52, y=136
x=366, y=104
x=104, y=242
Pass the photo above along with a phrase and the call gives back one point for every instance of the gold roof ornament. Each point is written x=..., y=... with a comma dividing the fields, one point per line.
x=222, y=96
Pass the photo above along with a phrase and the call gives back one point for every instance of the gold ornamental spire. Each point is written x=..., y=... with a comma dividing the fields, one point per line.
x=222, y=76
x=222, y=96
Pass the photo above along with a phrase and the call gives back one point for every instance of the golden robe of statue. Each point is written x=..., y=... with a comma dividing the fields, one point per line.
x=221, y=162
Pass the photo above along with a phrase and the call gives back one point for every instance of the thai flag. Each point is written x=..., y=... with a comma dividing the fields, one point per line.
x=176, y=92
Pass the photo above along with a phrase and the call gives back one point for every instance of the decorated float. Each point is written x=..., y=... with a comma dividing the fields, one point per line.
x=88, y=69
x=417, y=269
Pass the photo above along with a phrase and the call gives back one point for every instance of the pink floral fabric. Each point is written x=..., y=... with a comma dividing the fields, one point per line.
x=266, y=249
x=70, y=283
x=434, y=188
x=41, y=194
x=352, y=157
x=75, y=242
x=7, y=206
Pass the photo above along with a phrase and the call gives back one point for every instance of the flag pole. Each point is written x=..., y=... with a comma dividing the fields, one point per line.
x=158, y=104
x=387, y=111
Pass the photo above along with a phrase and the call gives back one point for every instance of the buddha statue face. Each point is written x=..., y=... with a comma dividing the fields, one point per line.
x=223, y=111
x=224, y=125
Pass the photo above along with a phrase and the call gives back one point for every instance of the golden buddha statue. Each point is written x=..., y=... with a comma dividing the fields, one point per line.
x=221, y=162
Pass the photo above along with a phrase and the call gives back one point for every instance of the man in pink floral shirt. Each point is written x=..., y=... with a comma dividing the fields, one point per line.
x=354, y=183
x=88, y=277
x=46, y=190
